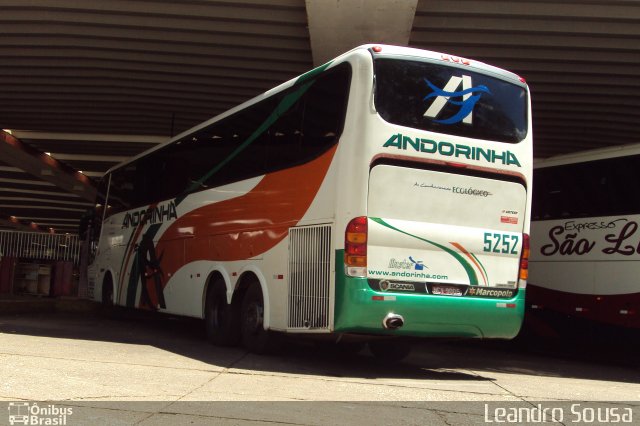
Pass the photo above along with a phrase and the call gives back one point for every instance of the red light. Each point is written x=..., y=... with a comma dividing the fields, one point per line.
x=377, y=49
x=522, y=80
x=524, y=259
x=455, y=59
x=355, y=242
x=356, y=249
x=358, y=224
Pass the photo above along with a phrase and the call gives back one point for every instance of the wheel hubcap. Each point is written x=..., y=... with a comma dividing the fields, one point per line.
x=254, y=318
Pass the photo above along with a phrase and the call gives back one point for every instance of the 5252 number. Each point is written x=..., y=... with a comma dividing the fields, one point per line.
x=500, y=243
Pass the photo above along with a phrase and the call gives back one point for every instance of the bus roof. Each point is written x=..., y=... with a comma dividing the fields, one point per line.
x=382, y=49
x=409, y=52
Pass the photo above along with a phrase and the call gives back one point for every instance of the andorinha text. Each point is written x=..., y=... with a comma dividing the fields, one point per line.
x=448, y=149
x=151, y=215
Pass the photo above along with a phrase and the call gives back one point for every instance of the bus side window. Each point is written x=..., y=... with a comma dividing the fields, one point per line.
x=554, y=194
x=539, y=205
x=176, y=178
x=235, y=148
x=623, y=195
x=284, y=139
x=313, y=124
x=121, y=190
x=325, y=110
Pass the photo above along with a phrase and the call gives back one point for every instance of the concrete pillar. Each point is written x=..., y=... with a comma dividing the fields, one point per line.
x=336, y=26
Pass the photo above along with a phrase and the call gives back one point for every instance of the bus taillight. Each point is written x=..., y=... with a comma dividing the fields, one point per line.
x=355, y=247
x=524, y=259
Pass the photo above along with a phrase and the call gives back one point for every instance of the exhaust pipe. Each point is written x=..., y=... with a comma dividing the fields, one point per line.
x=392, y=321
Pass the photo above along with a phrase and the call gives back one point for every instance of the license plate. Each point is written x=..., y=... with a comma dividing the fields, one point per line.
x=446, y=290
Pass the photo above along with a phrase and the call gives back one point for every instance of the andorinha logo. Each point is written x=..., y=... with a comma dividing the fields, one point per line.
x=469, y=95
x=151, y=215
x=447, y=149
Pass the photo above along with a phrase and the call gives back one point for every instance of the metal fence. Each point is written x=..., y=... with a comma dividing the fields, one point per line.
x=40, y=246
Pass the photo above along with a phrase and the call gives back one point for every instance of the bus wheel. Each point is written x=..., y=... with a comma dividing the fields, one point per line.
x=107, y=296
x=254, y=337
x=390, y=350
x=220, y=319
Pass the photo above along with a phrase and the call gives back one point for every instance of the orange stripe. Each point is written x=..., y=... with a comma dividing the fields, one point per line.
x=246, y=226
x=463, y=250
x=128, y=253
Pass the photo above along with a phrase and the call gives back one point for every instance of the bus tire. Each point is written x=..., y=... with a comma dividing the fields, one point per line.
x=220, y=318
x=390, y=349
x=254, y=337
x=106, y=301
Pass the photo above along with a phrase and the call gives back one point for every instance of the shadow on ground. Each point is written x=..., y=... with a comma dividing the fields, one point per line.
x=430, y=360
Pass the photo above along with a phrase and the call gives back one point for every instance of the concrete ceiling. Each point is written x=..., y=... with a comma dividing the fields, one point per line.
x=95, y=82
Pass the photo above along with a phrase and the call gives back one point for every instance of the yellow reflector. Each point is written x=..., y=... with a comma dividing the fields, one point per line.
x=356, y=237
x=355, y=260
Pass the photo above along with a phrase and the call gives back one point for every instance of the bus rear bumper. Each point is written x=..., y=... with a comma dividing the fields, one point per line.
x=359, y=309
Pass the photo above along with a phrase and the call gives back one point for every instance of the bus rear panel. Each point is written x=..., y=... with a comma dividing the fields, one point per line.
x=442, y=244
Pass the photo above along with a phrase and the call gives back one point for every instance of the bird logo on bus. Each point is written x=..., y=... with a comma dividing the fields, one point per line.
x=469, y=96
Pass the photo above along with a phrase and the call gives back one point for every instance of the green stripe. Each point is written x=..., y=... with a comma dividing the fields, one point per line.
x=132, y=286
x=471, y=273
x=285, y=104
x=119, y=289
x=134, y=277
x=314, y=72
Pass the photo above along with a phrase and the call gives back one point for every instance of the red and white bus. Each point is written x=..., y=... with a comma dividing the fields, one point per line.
x=585, y=260
x=384, y=193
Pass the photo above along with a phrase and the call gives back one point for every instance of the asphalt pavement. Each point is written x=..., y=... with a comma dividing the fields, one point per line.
x=142, y=369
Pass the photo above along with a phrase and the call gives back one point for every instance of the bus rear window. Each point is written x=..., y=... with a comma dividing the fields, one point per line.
x=450, y=100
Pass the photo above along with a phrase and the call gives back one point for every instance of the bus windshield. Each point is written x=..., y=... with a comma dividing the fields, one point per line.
x=450, y=100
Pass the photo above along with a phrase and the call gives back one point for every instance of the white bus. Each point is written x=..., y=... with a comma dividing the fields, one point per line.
x=585, y=260
x=384, y=193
